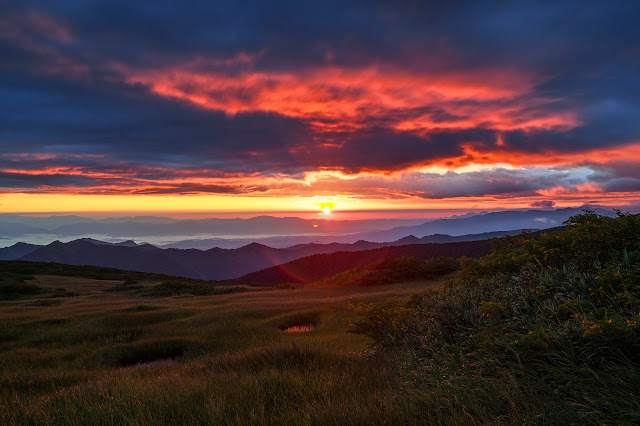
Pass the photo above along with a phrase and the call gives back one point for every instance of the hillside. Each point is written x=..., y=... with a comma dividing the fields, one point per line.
x=321, y=266
x=392, y=271
x=85, y=345
x=212, y=264
x=17, y=251
x=545, y=331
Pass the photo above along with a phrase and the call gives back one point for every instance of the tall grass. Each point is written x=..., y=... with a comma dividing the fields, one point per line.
x=540, y=331
x=141, y=357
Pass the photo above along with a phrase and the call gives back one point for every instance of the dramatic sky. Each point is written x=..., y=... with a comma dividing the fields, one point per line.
x=268, y=105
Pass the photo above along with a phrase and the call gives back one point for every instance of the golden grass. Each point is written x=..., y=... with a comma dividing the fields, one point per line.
x=118, y=357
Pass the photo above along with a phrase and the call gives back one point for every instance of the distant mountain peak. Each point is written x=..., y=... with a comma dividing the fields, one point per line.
x=408, y=238
x=255, y=245
x=127, y=243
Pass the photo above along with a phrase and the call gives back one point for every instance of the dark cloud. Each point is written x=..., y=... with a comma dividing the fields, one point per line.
x=67, y=91
x=49, y=181
x=545, y=204
x=196, y=188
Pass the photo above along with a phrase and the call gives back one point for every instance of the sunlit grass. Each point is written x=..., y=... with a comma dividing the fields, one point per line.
x=157, y=353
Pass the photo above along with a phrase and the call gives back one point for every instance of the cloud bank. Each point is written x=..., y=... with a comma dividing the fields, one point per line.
x=410, y=100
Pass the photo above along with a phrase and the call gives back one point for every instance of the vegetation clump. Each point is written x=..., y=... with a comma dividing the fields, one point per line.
x=176, y=288
x=391, y=271
x=540, y=330
x=13, y=286
x=145, y=352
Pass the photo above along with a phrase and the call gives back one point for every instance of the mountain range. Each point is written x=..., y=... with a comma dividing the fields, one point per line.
x=140, y=226
x=440, y=237
x=212, y=264
x=489, y=222
x=276, y=232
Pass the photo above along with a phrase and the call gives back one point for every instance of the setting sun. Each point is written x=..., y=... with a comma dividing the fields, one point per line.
x=326, y=206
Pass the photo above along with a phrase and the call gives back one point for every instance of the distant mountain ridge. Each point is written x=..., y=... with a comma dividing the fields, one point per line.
x=213, y=264
x=483, y=223
x=321, y=266
x=280, y=232
x=17, y=251
x=296, y=241
x=141, y=226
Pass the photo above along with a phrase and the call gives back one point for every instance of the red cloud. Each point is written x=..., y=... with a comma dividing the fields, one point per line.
x=475, y=155
x=338, y=99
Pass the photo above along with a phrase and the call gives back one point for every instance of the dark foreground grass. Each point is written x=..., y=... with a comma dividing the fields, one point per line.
x=541, y=331
x=156, y=353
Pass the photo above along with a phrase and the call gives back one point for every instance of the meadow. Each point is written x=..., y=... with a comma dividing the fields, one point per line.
x=544, y=330
x=132, y=348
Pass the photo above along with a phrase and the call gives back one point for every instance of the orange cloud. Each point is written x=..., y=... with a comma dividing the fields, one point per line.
x=474, y=155
x=339, y=99
x=584, y=189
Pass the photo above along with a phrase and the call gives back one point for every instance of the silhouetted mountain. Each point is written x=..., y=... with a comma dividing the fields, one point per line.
x=345, y=240
x=285, y=241
x=94, y=241
x=10, y=229
x=490, y=222
x=48, y=223
x=138, y=219
x=212, y=264
x=127, y=243
x=444, y=238
x=17, y=250
x=277, y=232
x=321, y=266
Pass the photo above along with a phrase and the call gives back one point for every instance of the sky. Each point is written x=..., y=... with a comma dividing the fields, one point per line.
x=265, y=106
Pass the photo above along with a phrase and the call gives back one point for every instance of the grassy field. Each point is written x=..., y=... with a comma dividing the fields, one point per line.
x=544, y=330
x=77, y=350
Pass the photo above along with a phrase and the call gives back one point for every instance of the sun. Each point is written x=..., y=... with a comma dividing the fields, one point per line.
x=326, y=207
x=326, y=204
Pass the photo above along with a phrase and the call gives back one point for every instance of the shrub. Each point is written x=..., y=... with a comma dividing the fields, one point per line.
x=391, y=271
x=384, y=322
x=526, y=321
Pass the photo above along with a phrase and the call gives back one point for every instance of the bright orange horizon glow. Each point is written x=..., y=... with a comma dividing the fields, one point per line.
x=232, y=206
